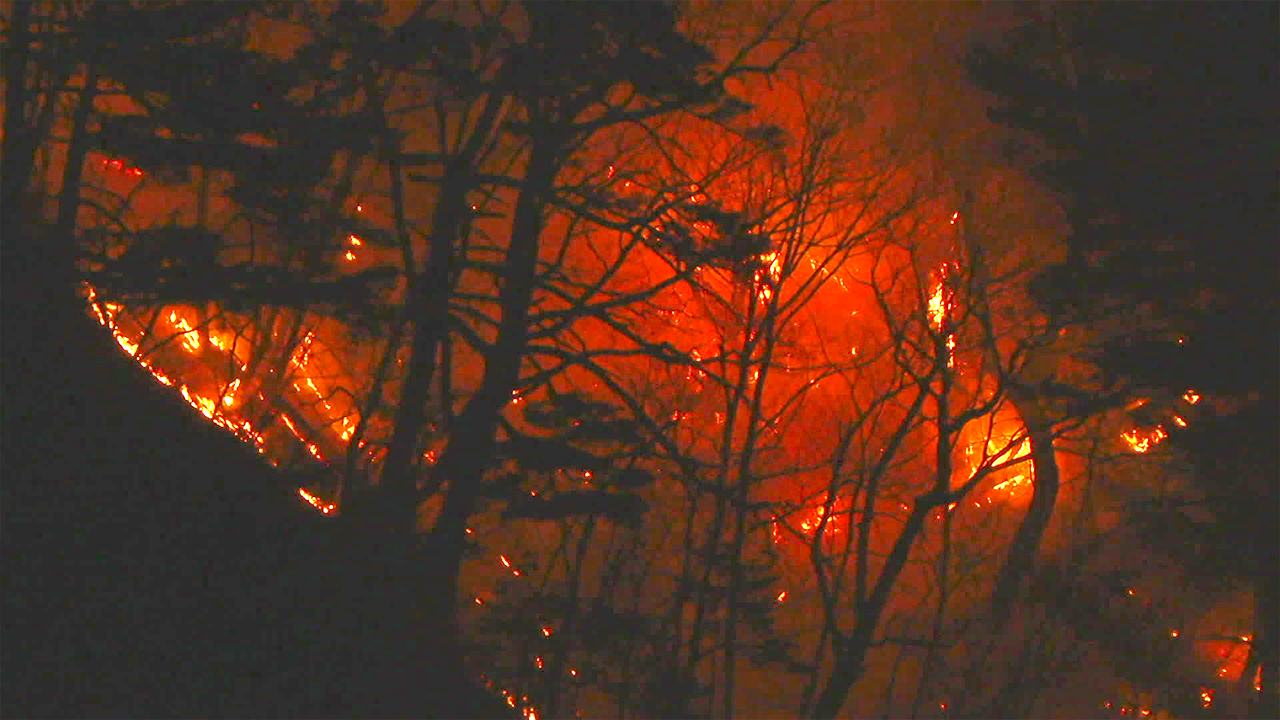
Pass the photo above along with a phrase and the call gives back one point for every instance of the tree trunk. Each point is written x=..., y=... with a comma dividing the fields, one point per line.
x=1020, y=563
x=850, y=661
x=473, y=438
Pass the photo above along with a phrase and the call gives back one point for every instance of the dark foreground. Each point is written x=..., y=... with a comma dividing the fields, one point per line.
x=155, y=567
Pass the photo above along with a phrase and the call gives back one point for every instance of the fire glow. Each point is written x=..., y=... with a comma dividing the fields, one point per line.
x=939, y=308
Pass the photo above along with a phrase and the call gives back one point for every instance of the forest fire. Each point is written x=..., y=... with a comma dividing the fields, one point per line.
x=312, y=418
x=692, y=374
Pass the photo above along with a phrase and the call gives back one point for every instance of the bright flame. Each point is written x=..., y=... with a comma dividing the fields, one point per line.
x=941, y=304
x=937, y=307
x=1141, y=442
x=190, y=339
x=229, y=397
x=207, y=407
x=767, y=278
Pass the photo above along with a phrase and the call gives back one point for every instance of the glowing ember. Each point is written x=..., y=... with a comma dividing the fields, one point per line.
x=316, y=502
x=1012, y=483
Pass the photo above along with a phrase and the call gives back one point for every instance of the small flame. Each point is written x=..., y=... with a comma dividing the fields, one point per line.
x=316, y=502
x=1141, y=442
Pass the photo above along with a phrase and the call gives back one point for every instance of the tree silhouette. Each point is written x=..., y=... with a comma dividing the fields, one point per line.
x=1160, y=155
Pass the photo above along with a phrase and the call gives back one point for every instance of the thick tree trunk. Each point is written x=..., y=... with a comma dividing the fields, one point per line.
x=428, y=312
x=1020, y=563
x=473, y=436
x=851, y=658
